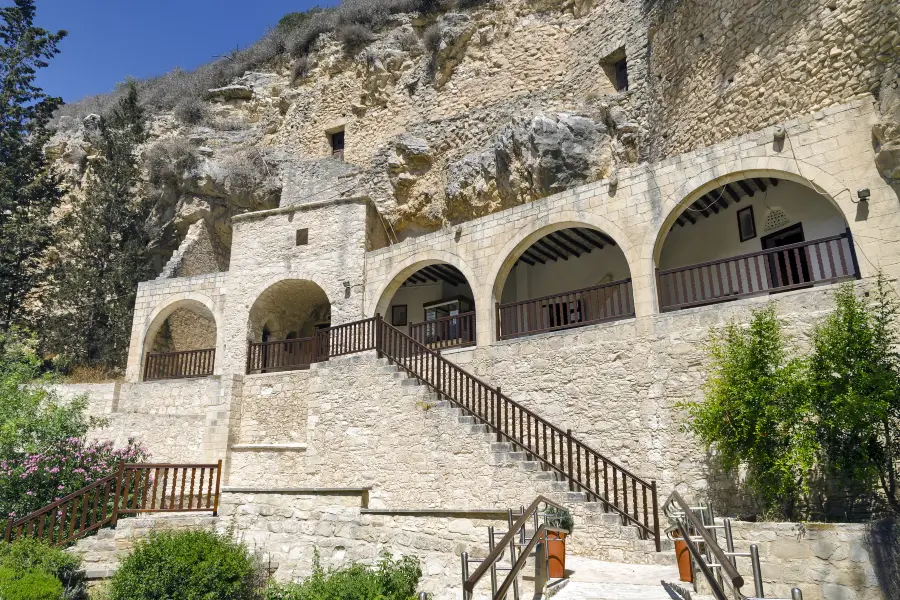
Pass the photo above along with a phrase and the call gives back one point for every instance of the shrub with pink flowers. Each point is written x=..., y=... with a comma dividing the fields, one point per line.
x=38, y=479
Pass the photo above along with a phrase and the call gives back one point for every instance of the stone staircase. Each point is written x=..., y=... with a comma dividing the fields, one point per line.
x=600, y=534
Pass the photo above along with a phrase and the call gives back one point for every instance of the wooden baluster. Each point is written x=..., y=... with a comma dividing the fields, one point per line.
x=569, y=461
x=209, y=487
x=840, y=247
x=646, y=519
x=597, y=475
x=181, y=495
x=63, y=514
x=615, y=477
x=624, y=493
x=819, y=259
x=174, y=486
x=94, y=517
x=634, y=497
x=191, y=494
x=73, y=518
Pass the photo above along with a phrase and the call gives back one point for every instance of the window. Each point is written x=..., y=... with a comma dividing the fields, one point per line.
x=302, y=237
x=621, y=68
x=615, y=66
x=398, y=315
x=337, y=144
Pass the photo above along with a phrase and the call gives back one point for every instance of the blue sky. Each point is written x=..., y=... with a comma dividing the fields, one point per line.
x=110, y=40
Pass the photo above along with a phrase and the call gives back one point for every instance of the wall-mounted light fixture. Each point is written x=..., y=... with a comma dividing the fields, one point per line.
x=863, y=194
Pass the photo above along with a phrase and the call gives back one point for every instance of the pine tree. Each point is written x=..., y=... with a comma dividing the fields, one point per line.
x=29, y=189
x=103, y=248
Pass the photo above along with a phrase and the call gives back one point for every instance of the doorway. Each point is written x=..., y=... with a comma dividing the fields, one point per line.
x=788, y=267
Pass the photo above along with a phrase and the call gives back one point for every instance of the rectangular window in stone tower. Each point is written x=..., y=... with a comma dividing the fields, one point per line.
x=337, y=145
x=302, y=237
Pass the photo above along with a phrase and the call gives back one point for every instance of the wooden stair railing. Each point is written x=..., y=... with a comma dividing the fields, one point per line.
x=601, y=479
x=132, y=489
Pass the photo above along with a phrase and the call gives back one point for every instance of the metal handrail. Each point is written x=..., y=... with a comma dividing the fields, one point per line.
x=737, y=581
x=496, y=554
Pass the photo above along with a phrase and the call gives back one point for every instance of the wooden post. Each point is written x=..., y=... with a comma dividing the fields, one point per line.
x=379, y=336
x=655, y=516
x=218, y=483
x=569, y=465
x=115, y=512
x=496, y=412
x=497, y=319
x=8, y=535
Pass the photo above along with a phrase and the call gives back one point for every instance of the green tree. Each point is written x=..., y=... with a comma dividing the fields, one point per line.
x=103, y=247
x=29, y=189
x=756, y=411
x=855, y=384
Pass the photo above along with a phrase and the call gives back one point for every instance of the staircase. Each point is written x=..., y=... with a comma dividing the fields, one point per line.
x=600, y=533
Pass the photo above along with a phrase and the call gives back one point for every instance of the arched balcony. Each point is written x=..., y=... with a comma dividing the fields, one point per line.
x=181, y=343
x=283, y=326
x=752, y=236
x=567, y=277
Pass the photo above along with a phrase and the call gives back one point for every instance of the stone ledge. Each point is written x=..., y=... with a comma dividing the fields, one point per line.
x=290, y=447
x=363, y=492
x=456, y=513
x=286, y=210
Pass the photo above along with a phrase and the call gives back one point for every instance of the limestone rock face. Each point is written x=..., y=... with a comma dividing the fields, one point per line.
x=529, y=158
x=456, y=31
x=230, y=92
x=886, y=134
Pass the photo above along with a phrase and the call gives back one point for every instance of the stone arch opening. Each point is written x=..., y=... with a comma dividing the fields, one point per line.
x=433, y=302
x=561, y=276
x=749, y=235
x=282, y=326
x=181, y=342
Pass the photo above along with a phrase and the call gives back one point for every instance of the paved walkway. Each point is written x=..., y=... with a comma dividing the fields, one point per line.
x=598, y=580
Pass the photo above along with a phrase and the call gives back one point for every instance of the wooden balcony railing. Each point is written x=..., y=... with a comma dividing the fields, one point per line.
x=133, y=489
x=577, y=308
x=825, y=260
x=180, y=365
x=446, y=332
x=285, y=355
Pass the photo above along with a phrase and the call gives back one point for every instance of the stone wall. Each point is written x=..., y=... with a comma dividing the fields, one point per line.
x=273, y=408
x=168, y=438
x=102, y=398
x=722, y=68
x=173, y=397
x=826, y=561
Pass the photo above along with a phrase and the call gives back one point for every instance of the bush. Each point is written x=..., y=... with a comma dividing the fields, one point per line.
x=355, y=37
x=169, y=161
x=53, y=564
x=31, y=585
x=389, y=580
x=187, y=565
x=192, y=111
x=300, y=69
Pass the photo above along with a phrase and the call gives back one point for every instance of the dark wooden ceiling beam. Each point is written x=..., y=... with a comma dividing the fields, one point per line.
x=747, y=189
x=602, y=236
x=774, y=181
x=720, y=199
x=551, y=249
x=534, y=257
x=449, y=274
x=538, y=250
x=734, y=195
x=686, y=215
x=416, y=278
x=524, y=258
x=557, y=239
x=428, y=274
x=760, y=184
x=588, y=238
x=564, y=233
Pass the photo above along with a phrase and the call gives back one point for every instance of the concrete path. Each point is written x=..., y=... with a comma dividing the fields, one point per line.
x=598, y=580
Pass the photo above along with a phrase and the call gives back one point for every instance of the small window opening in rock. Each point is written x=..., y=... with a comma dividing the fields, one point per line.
x=616, y=68
x=337, y=145
x=302, y=237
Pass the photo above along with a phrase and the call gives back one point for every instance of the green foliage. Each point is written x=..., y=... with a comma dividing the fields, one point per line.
x=855, y=382
x=30, y=585
x=560, y=518
x=192, y=111
x=52, y=565
x=756, y=411
x=103, y=248
x=389, y=580
x=29, y=189
x=187, y=565
x=31, y=419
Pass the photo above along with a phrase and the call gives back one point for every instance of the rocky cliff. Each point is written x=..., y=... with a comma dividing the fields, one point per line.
x=461, y=111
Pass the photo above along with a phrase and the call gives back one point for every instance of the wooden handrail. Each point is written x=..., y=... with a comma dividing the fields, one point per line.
x=561, y=294
x=448, y=332
x=501, y=546
x=619, y=490
x=719, y=261
x=132, y=489
x=179, y=365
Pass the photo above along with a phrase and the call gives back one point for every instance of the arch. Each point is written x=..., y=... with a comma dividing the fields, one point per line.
x=194, y=302
x=588, y=299
x=526, y=236
x=288, y=305
x=782, y=168
x=414, y=263
x=728, y=265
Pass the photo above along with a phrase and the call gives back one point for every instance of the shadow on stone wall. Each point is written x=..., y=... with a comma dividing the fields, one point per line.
x=883, y=544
